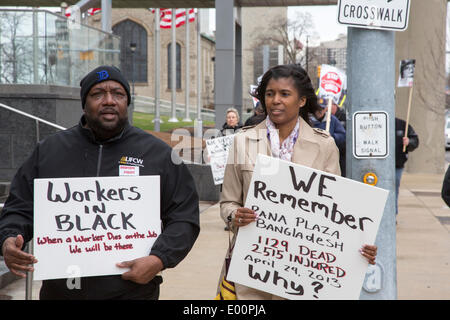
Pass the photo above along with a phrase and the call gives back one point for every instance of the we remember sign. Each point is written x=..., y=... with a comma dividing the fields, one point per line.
x=84, y=226
x=311, y=224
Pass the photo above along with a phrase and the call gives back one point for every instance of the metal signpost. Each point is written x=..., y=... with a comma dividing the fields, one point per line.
x=370, y=120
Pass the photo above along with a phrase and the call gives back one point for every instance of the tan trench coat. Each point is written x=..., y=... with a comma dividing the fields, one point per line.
x=314, y=148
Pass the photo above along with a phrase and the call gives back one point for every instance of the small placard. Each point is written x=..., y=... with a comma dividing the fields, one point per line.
x=370, y=134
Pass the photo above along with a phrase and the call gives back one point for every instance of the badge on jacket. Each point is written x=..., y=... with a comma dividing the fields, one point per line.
x=129, y=166
x=128, y=170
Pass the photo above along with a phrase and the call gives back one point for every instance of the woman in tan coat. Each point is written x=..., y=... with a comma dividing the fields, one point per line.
x=287, y=97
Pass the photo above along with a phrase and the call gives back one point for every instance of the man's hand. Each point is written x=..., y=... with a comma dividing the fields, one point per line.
x=142, y=270
x=405, y=141
x=16, y=260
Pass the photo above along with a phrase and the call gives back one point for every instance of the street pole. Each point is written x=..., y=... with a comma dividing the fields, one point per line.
x=157, y=119
x=173, y=68
x=35, y=47
x=198, y=129
x=371, y=88
x=307, y=55
x=187, y=73
x=133, y=50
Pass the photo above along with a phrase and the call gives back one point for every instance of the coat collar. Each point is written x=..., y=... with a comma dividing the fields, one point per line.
x=306, y=148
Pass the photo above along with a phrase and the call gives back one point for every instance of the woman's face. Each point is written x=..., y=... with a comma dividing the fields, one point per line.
x=232, y=119
x=283, y=101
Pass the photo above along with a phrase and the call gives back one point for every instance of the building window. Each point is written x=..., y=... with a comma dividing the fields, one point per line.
x=258, y=63
x=178, y=66
x=131, y=32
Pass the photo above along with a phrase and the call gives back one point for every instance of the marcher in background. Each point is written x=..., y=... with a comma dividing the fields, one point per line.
x=411, y=142
x=445, y=192
x=232, y=123
x=337, y=130
x=257, y=117
x=287, y=97
x=93, y=148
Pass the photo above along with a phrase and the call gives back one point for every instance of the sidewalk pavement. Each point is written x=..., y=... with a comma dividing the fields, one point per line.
x=423, y=249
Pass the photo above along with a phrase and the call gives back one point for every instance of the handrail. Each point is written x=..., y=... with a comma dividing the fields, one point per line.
x=29, y=278
x=31, y=116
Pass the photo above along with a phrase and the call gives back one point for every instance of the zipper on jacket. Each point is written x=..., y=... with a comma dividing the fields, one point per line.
x=99, y=159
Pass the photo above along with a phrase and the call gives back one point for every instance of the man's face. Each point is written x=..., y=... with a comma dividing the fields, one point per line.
x=106, y=109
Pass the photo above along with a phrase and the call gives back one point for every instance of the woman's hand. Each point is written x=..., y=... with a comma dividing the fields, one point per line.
x=243, y=217
x=369, y=252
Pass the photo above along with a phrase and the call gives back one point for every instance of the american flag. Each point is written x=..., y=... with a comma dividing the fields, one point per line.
x=180, y=14
x=90, y=11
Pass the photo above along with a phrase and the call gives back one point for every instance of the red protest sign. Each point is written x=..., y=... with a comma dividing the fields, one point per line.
x=331, y=83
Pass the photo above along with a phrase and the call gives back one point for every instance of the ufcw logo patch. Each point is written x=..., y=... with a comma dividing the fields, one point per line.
x=131, y=161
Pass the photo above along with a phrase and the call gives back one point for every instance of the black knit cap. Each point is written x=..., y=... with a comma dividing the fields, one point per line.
x=100, y=74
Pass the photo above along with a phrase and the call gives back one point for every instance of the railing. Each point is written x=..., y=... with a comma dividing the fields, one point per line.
x=147, y=105
x=29, y=280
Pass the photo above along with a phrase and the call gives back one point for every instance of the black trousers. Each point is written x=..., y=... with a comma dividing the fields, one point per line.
x=100, y=288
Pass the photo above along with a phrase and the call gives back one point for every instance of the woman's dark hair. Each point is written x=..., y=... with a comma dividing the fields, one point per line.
x=302, y=83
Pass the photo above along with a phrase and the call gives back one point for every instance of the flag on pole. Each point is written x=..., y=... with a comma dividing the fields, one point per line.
x=90, y=11
x=93, y=11
x=180, y=14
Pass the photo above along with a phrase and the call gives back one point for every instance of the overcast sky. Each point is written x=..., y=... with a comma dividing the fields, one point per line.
x=325, y=20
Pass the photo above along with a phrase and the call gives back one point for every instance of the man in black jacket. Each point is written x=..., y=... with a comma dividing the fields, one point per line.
x=97, y=146
x=411, y=141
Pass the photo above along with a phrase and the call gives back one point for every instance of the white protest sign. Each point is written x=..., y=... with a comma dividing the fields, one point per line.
x=311, y=224
x=332, y=82
x=406, y=73
x=252, y=91
x=374, y=14
x=218, y=154
x=90, y=224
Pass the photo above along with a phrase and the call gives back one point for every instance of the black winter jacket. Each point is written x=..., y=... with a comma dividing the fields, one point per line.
x=400, y=156
x=76, y=153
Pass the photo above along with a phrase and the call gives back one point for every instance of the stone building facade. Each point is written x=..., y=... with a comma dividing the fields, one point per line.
x=137, y=25
x=254, y=21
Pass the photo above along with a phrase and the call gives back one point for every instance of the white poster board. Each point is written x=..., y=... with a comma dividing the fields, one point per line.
x=84, y=226
x=218, y=154
x=311, y=225
x=333, y=81
x=406, y=73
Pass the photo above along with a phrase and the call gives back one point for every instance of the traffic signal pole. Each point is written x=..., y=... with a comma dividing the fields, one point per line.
x=371, y=104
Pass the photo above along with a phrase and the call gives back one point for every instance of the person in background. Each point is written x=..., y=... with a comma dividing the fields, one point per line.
x=287, y=97
x=337, y=130
x=445, y=192
x=232, y=123
x=257, y=117
x=411, y=141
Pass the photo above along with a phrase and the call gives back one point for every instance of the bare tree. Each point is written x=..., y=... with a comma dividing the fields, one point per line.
x=290, y=34
x=15, y=48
